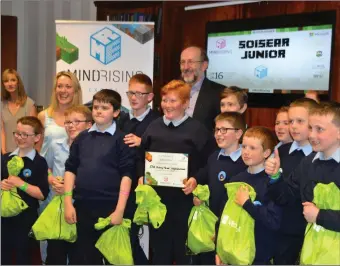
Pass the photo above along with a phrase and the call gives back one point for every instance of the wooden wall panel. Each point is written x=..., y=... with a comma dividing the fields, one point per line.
x=9, y=26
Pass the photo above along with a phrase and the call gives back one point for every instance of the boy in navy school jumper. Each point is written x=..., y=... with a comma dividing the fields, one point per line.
x=134, y=125
x=100, y=168
x=257, y=145
x=175, y=132
x=282, y=127
x=31, y=184
x=77, y=119
x=322, y=167
x=221, y=166
x=291, y=233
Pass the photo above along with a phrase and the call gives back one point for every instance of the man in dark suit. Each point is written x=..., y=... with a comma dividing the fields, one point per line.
x=205, y=94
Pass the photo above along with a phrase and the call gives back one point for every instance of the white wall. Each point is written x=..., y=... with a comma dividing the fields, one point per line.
x=36, y=39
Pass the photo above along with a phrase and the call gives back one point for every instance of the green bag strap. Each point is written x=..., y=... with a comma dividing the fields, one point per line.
x=14, y=165
x=104, y=222
x=202, y=192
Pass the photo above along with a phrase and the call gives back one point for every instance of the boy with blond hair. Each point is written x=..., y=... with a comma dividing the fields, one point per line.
x=77, y=119
x=322, y=167
x=257, y=145
x=291, y=233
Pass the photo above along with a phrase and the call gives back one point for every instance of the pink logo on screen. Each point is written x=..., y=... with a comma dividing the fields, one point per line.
x=221, y=43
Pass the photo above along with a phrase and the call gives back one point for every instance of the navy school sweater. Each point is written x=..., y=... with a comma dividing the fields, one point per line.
x=293, y=222
x=99, y=161
x=215, y=174
x=300, y=185
x=189, y=137
x=34, y=173
x=267, y=216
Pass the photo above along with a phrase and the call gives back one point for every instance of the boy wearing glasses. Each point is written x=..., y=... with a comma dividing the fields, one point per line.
x=77, y=119
x=221, y=166
x=31, y=184
x=141, y=115
x=134, y=125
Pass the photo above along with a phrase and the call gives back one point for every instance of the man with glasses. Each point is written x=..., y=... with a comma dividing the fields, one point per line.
x=205, y=94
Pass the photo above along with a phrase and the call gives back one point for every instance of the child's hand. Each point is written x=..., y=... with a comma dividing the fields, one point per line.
x=197, y=201
x=5, y=185
x=242, y=195
x=70, y=214
x=218, y=260
x=272, y=164
x=132, y=140
x=310, y=211
x=15, y=181
x=116, y=217
x=189, y=186
x=58, y=186
x=141, y=180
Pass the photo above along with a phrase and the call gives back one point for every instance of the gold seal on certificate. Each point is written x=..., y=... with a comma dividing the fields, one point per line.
x=166, y=169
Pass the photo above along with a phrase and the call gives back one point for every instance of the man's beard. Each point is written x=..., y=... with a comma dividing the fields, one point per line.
x=190, y=81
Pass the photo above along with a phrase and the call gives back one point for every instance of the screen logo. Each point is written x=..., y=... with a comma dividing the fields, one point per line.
x=318, y=53
x=221, y=43
x=261, y=72
x=105, y=46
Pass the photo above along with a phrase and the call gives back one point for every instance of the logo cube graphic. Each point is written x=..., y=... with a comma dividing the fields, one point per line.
x=221, y=43
x=261, y=72
x=65, y=50
x=105, y=45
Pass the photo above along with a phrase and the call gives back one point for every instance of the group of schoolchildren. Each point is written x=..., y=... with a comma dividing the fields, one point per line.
x=96, y=171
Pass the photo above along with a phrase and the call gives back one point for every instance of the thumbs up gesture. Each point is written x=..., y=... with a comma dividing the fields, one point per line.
x=272, y=164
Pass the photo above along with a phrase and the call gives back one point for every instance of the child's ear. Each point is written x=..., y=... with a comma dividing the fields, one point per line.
x=244, y=108
x=267, y=153
x=239, y=134
x=150, y=96
x=37, y=138
x=116, y=113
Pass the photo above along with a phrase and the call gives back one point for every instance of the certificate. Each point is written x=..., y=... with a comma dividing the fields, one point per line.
x=166, y=169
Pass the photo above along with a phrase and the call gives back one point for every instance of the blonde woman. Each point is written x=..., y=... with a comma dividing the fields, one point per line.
x=15, y=104
x=66, y=93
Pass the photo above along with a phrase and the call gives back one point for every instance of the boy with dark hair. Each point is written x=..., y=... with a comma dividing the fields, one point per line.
x=291, y=233
x=282, y=127
x=221, y=166
x=322, y=167
x=100, y=169
x=257, y=145
x=32, y=186
x=234, y=99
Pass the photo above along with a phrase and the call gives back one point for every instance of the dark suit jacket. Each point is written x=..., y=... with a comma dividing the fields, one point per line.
x=208, y=103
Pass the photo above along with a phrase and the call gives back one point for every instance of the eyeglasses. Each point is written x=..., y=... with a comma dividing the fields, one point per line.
x=136, y=93
x=22, y=135
x=189, y=62
x=224, y=130
x=74, y=123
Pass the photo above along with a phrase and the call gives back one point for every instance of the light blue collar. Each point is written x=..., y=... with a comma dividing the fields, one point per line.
x=30, y=155
x=142, y=116
x=278, y=145
x=257, y=171
x=307, y=149
x=234, y=155
x=111, y=129
x=321, y=156
x=176, y=123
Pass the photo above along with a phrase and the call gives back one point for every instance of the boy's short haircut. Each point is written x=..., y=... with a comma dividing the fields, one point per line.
x=80, y=109
x=328, y=108
x=307, y=103
x=33, y=122
x=142, y=79
x=234, y=118
x=241, y=94
x=108, y=96
x=283, y=109
x=179, y=87
x=264, y=134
